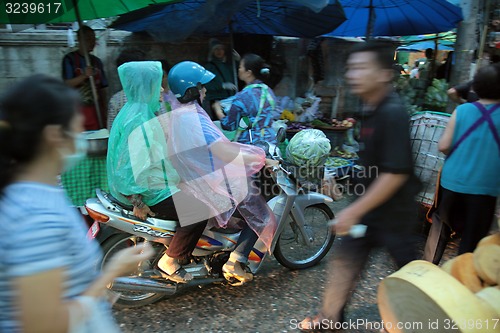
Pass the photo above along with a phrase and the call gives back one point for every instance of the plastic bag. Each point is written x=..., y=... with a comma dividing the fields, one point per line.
x=285, y=102
x=351, y=145
x=277, y=124
x=99, y=318
x=308, y=148
x=311, y=109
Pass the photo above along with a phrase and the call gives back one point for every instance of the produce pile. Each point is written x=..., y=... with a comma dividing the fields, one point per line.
x=287, y=115
x=309, y=148
x=336, y=162
x=297, y=126
x=347, y=123
x=344, y=154
x=320, y=123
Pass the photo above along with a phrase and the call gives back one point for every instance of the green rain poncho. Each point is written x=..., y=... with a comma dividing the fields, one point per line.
x=137, y=161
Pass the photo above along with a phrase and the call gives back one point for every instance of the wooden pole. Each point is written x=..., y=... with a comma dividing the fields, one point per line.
x=233, y=62
x=86, y=55
x=486, y=16
x=466, y=42
x=371, y=21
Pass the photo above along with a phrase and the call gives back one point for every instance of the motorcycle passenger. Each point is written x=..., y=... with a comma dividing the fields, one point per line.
x=210, y=169
x=139, y=172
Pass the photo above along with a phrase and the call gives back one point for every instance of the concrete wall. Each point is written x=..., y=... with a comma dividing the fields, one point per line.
x=23, y=54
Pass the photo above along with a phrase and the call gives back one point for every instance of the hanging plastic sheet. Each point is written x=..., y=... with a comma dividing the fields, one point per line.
x=216, y=171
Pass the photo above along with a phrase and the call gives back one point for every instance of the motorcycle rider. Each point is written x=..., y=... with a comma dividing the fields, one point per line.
x=221, y=176
x=139, y=172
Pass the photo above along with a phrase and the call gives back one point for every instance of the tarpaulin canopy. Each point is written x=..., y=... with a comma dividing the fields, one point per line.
x=177, y=21
x=397, y=17
x=425, y=45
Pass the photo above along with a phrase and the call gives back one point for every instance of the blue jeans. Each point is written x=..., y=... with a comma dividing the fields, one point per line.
x=245, y=244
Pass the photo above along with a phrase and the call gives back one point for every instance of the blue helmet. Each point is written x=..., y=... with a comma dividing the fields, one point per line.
x=185, y=75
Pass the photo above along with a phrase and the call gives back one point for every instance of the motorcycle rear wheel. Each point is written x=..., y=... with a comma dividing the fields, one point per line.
x=127, y=299
x=292, y=252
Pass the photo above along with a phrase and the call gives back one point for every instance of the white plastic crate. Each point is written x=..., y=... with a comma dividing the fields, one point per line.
x=426, y=128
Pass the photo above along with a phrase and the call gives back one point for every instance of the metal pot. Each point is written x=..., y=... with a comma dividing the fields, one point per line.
x=97, y=142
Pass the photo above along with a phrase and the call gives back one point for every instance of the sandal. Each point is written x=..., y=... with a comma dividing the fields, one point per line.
x=236, y=274
x=179, y=276
x=317, y=323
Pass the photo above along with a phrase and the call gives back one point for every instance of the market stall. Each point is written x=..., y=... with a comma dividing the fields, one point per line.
x=319, y=168
x=81, y=181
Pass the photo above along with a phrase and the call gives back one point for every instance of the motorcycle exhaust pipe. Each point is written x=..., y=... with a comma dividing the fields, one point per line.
x=139, y=284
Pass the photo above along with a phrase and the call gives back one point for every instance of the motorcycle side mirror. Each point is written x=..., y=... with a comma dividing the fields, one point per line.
x=281, y=135
x=245, y=124
x=264, y=145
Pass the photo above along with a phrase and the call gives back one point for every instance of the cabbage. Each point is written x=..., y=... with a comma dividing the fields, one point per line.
x=308, y=148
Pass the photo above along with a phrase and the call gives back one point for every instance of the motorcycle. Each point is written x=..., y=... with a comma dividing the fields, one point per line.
x=302, y=238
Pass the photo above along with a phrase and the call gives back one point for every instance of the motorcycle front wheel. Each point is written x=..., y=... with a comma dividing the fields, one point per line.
x=128, y=299
x=292, y=251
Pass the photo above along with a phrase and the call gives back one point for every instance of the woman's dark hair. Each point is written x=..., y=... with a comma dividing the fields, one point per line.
x=256, y=64
x=165, y=65
x=486, y=82
x=191, y=94
x=25, y=110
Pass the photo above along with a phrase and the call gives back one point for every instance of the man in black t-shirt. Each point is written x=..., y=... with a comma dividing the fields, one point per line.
x=463, y=93
x=387, y=185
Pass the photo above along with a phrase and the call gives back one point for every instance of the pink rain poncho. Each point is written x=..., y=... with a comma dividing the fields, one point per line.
x=216, y=171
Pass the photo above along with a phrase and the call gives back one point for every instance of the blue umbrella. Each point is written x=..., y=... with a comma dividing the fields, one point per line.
x=416, y=47
x=397, y=17
x=177, y=21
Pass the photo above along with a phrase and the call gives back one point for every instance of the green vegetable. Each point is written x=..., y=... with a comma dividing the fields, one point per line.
x=309, y=148
x=336, y=162
x=317, y=122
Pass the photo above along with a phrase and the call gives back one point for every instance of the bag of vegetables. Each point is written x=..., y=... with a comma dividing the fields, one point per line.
x=309, y=148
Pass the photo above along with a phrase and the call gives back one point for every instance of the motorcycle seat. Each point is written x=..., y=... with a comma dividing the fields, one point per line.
x=119, y=203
